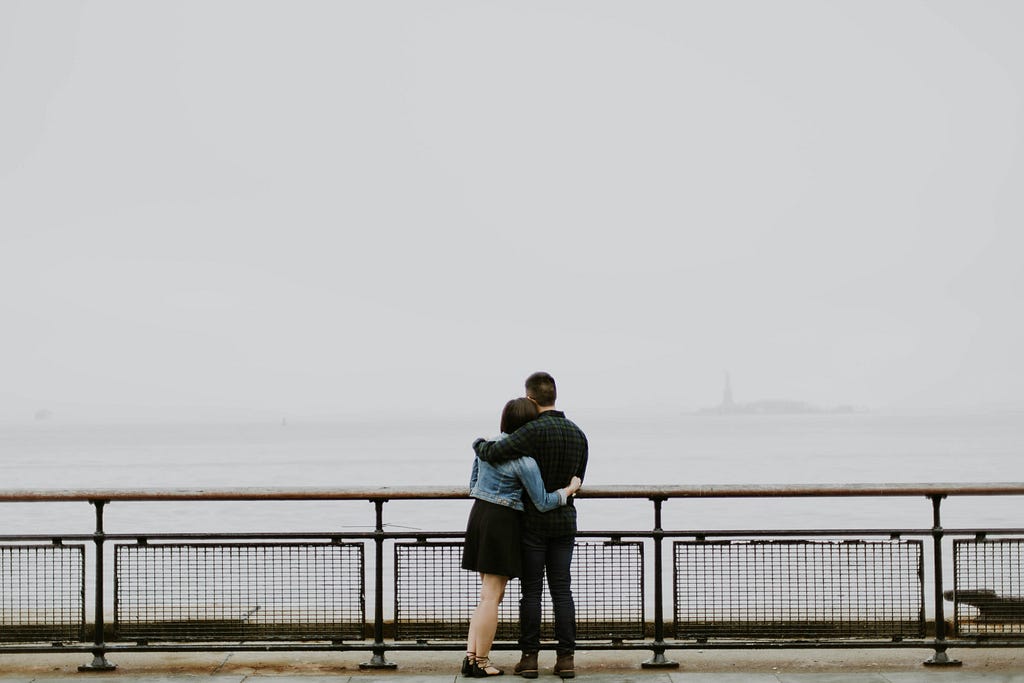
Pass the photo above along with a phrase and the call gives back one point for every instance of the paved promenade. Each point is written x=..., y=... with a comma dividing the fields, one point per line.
x=763, y=666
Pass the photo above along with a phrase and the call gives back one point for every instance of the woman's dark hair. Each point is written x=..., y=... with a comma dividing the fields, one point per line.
x=517, y=412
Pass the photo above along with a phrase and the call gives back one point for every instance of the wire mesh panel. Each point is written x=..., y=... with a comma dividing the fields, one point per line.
x=435, y=597
x=799, y=589
x=608, y=586
x=311, y=591
x=988, y=587
x=42, y=593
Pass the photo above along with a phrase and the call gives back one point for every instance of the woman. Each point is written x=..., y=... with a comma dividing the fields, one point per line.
x=494, y=529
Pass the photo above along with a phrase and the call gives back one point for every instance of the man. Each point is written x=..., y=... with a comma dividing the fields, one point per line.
x=560, y=449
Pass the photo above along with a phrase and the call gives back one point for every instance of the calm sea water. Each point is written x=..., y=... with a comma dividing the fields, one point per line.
x=684, y=449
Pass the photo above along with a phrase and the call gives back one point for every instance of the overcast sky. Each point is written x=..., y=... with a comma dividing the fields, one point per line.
x=340, y=208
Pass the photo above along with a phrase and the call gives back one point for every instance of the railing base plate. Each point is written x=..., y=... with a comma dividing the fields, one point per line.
x=942, y=659
x=378, y=662
x=98, y=663
x=658, y=661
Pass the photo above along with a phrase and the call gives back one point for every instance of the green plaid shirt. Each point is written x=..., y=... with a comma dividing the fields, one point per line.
x=560, y=449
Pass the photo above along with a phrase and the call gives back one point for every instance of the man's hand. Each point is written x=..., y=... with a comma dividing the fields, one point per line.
x=574, y=485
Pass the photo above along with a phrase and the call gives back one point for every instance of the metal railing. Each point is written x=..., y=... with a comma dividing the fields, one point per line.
x=730, y=588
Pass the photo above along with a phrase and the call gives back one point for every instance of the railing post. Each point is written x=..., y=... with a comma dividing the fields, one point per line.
x=940, y=658
x=658, y=646
x=99, y=660
x=378, y=661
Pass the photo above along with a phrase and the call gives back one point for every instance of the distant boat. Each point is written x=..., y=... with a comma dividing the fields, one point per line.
x=728, y=406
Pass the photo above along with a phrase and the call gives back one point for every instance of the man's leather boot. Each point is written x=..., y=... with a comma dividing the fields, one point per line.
x=565, y=667
x=527, y=666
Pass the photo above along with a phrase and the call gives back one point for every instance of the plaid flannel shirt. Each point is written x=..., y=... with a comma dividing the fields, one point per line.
x=560, y=449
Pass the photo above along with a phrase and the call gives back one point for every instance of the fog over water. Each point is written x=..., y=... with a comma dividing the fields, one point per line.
x=333, y=210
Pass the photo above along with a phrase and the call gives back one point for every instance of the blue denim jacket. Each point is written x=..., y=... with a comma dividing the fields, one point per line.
x=503, y=484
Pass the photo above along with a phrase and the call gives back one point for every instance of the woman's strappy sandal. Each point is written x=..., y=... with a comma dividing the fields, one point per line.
x=467, y=664
x=481, y=666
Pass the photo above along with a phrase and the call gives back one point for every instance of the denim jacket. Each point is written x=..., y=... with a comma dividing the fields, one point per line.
x=503, y=484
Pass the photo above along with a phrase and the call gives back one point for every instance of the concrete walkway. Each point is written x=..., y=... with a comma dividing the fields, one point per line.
x=761, y=666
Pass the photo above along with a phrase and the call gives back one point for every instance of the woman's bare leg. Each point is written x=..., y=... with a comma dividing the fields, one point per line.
x=484, y=623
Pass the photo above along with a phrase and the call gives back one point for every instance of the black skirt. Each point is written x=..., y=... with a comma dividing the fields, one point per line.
x=493, y=538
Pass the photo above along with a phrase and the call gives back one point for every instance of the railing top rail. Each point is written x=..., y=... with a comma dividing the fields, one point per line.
x=642, y=491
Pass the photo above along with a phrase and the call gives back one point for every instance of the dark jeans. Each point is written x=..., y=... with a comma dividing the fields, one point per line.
x=554, y=555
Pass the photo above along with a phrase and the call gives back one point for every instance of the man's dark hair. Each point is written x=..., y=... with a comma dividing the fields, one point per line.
x=540, y=386
x=517, y=412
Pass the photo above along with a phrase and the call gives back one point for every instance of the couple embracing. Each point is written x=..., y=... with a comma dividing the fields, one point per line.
x=510, y=534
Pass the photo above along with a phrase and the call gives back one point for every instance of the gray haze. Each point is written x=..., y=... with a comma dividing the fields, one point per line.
x=338, y=208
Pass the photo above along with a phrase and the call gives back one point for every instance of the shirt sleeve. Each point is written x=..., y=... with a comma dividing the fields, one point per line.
x=515, y=445
x=529, y=473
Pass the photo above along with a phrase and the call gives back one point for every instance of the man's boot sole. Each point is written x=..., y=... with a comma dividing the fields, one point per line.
x=527, y=674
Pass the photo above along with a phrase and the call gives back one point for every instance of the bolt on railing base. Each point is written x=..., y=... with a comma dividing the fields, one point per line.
x=99, y=663
x=658, y=661
x=940, y=658
x=378, y=662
